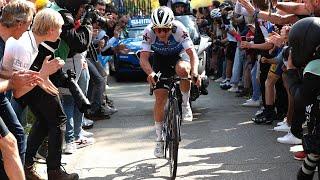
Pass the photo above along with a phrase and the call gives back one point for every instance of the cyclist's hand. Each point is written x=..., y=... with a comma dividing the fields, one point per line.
x=197, y=80
x=151, y=79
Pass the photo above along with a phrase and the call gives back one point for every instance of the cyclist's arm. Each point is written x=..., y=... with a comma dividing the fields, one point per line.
x=194, y=61
x=148, y=39
x=144, y=62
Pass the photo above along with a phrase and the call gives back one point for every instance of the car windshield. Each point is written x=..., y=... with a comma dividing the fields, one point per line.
x=136, y=32
x=189, y=22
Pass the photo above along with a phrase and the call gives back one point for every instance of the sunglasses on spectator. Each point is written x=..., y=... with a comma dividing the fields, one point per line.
x=159, y=30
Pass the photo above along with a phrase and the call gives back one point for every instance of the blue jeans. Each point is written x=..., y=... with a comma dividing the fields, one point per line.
x=74, y=116
x=20, y=112
x=12, y=122
x=97, y=88
x=255, y=84
x=238, y=64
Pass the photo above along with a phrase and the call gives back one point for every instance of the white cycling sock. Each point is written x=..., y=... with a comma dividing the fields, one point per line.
x=185, y=98
x=158, y=126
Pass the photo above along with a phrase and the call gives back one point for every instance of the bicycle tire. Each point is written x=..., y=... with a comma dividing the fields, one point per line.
x=174, y=127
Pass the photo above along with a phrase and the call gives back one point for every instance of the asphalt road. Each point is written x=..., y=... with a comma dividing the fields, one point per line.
x=221, y=142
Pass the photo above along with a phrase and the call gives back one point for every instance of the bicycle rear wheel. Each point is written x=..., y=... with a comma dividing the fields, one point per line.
x=174, y=126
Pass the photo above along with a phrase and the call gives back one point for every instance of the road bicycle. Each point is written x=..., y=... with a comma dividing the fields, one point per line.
x=172, y=123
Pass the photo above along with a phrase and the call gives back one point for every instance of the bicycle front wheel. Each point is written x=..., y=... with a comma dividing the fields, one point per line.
x=174, y=141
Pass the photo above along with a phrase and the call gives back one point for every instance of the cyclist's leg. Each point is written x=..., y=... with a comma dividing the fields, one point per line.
x=159, y=110
x=183, y=70
x=161, y=64
x=9, y=150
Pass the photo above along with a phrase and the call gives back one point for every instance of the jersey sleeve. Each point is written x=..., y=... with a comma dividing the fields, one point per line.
x=183, y=36
x=148, y=39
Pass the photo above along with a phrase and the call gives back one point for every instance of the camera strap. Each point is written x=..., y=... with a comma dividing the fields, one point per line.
x=47, y=47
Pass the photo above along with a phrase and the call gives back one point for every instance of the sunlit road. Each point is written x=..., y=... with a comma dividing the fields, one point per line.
x=221, y=142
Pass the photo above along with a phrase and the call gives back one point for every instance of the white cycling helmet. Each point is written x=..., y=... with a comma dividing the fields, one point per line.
x=215, y=13
x=162, y=17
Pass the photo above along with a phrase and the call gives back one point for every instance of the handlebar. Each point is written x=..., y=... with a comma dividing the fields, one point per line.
x=157, y=78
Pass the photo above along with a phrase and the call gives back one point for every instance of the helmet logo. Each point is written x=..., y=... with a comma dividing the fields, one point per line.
x=161, y=12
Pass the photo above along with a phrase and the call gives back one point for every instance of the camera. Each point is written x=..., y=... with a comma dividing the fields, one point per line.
x=92, y=15
x=285, y=53
x=80, y=99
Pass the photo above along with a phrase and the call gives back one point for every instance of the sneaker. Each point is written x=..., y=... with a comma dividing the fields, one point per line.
x=225, y=85
x=282, y=128
x=260, y=112
x=289, y=139
x=263, y=119
x=87, y=123
x=70, y=148
x=159, y=149
x=219, y=79
x=242, y=93
x=282, y=122
x=83, y=142
x=252, y=103
x=98, y=115
x=61, y=174
x=86, y=133
x=31, y=173
x=300, y=155
x=186, y=113
x=233, y=89
x=110, y=110
x=249, y=100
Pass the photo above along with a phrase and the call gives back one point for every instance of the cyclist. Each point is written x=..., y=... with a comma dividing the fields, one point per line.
x=167, y=38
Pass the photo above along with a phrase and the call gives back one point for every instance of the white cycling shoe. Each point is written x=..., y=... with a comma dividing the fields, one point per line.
x=186, y=113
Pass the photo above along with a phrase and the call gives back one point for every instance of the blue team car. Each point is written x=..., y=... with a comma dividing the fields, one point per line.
x=127, y=65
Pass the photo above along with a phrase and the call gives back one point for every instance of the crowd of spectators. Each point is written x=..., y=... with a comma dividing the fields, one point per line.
x=261, y=51
x=55, y=66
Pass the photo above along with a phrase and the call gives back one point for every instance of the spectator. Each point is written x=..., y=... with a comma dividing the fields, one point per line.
x=22, y=57
x=100, y=5
x=15, y=19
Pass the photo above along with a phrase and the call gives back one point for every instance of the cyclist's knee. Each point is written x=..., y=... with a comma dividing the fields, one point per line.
x=182, y=71
x=183, y=68
x=8, y=143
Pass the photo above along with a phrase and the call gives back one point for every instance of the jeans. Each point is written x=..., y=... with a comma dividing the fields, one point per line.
x=221, y=66
x=74, y=116
x=224, y=68
x=255, y=84
x=97, y=86
x=238, y=64
x=20, y=112
x=12, y=122
x=49, y=120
